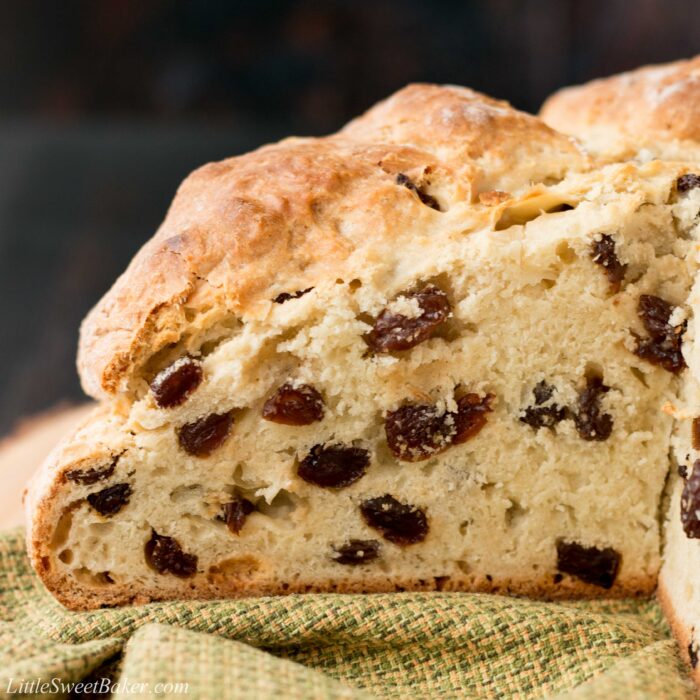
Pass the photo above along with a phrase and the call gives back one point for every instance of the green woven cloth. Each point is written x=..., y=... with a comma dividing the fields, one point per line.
x=404, y=645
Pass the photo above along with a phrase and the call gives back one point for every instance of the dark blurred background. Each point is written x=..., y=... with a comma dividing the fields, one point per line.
x=105, y=105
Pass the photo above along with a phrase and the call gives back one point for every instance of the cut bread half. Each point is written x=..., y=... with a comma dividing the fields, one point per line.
x=434, y=351
x=654, y=112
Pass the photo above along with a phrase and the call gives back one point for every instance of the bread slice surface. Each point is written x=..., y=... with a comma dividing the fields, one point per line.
x=648, y=113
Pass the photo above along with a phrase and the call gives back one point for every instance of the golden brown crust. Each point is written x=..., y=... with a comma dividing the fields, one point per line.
x=648, y=108
x=680, y=629
x=241, y=231
x=75, y=597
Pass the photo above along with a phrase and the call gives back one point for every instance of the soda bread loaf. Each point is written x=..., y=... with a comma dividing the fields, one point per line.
x=655, y=112
x=436, y=350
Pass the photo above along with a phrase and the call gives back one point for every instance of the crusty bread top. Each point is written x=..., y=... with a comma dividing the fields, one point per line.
x=289, y=215
x=654, y=109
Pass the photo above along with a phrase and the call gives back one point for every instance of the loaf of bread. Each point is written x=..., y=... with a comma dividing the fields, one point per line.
x=439, y=349
x=654, y=112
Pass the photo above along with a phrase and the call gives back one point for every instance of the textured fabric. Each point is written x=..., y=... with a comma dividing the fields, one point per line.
x=405, y=645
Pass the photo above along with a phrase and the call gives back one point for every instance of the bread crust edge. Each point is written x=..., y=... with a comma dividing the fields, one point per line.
x=680, y=630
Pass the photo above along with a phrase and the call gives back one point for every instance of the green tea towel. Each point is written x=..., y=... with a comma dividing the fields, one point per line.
x=403, y=645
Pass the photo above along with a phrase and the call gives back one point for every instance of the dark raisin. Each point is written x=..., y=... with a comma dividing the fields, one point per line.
x=539, y=415
x=286, y=296
x=686, y=182
x=398, y=332
x=603, y=254
x=290, y=405
x=92, y=475
x=683, y=471
x=693, y=653
x=590, y=564
x=655, y=313
x=690, y=503
x=427, y=199
x=235, y=512
x=334, y=467
x=398, y=522
x=418, y=431
x=165, y=555
x=663, y=345
x=203, y=436
x=111, y=500
x=591, y=423
x=174, y=384
x=695, y=431
x=356, y=552
x=471, y=416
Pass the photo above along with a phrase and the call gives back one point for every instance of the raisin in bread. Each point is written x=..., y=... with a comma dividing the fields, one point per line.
x=431, y=351
x=655, y=112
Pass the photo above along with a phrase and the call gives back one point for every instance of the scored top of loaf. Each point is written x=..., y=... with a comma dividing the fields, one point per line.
x=286, y=216
x=653, y=109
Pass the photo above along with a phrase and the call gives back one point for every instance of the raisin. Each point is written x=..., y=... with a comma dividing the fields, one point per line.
x=539, y=415
x=165, y=555
x=398, y=332
x=591, y=424
x=398, y=522
x=235, y=513
x=695, y=431
x=687, y=182
x=174, y=384
x=334, y=467
x=92, y=475
x=690, y=503
x=683, y=471
x=356, y=552
x=425, y=198
x=471, y=416
x=693, y=653
x=590, y=564
x=203, y=436
x=111, y=500
x=301, y=405
x=655, y=313
x=603, y=254
x=663, y=345
x=286, y=296
x=418, y=431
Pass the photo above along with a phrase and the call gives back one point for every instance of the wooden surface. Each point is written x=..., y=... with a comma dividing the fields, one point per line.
x=22, y=452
